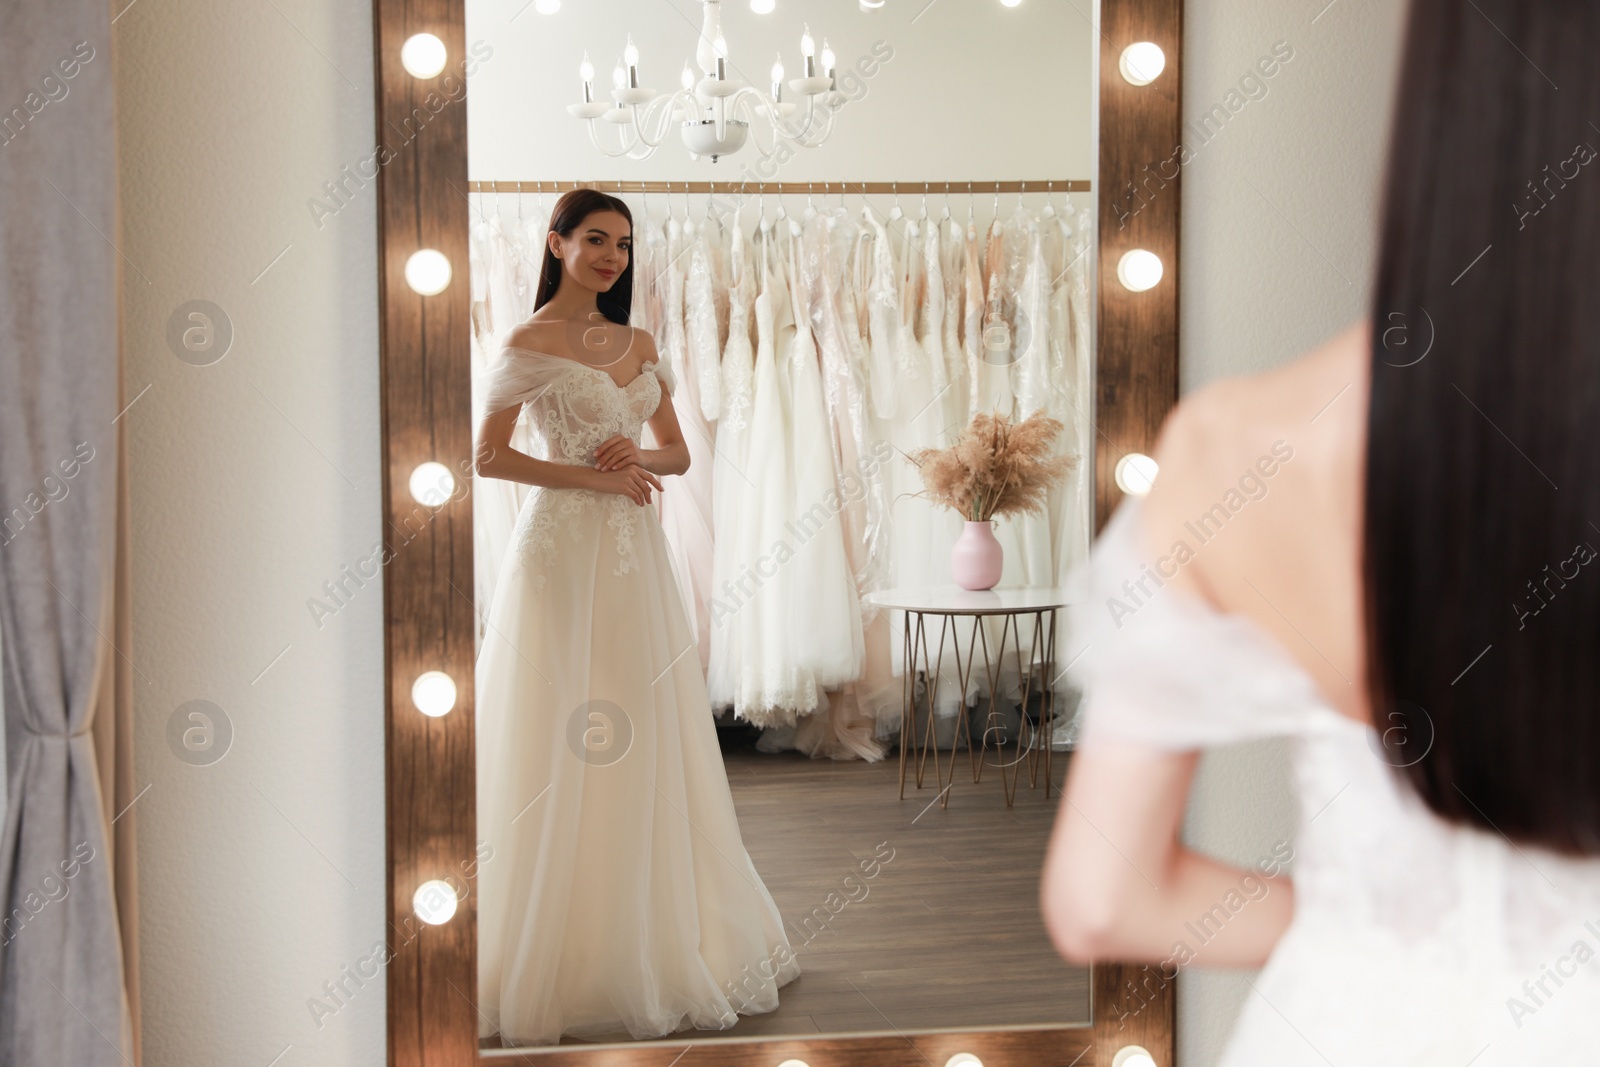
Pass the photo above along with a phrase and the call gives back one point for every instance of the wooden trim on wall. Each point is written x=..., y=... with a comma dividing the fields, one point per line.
x=430, y=618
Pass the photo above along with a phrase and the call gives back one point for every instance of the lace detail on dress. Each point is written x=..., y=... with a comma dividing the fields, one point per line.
x=575, y=408
x=622, y=521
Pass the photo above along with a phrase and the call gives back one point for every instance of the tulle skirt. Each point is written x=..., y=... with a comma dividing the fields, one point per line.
x=615, y=895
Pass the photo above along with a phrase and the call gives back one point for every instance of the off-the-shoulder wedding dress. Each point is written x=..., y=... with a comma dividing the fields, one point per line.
x=1414, y=941
x=615, y=897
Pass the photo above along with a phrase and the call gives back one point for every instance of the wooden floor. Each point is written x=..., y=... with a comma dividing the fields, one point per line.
x=947, y=935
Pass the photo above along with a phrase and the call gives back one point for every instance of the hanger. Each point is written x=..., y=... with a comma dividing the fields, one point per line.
x=811, y=207
x=1049, y=211
x=969, y=204
x=895, y=212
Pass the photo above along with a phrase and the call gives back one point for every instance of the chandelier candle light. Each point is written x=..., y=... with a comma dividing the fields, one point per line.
x=995, y=468
x=715, y=113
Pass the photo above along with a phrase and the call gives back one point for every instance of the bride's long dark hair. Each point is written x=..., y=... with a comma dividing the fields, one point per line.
x=574, y=206
x=1482, y=594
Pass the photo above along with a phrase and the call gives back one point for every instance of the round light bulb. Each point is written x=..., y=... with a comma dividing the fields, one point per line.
x=1139, y=269
x=423, y=55
x=1010, y=3
x=547, y=7
x=434, y=693
x=434, y=902
x=1133, y=1056
x=1135, y=473
x=794, y=1063
x=630, y=54
x=428, y=271
x=808, y=47
x=1142, y=63
x=761, y=7
x=432, y=484
x=586, y=69
x=963, y=1059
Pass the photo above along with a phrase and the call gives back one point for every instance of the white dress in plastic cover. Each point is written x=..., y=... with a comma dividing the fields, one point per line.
x=618, y=900
x=1414, y=941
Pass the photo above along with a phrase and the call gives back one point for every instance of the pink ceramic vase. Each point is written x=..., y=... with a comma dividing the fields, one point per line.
x=976, y=560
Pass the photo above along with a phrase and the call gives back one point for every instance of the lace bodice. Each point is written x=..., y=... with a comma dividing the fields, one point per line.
x=1373, y=866
x=574, y=408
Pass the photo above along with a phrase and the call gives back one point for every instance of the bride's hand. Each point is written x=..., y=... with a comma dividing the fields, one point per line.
x=615, y=453
x=631, y=481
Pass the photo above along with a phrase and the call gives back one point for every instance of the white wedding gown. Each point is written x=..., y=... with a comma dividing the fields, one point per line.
x=619, y=900
x=1414, y=941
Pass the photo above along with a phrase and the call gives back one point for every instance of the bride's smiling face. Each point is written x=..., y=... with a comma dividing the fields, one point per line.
x=597, y=251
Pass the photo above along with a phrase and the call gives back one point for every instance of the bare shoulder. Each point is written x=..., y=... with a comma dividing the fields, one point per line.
x=1295, y=430
x=639, y=340
x=534, y=336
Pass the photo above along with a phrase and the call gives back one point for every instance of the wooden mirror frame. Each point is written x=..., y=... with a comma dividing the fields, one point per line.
x=429, y=614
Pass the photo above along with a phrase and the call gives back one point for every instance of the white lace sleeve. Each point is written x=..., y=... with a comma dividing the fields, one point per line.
x=1159, y=666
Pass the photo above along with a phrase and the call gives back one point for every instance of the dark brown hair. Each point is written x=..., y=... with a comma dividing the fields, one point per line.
x=568, y=214
x=1482, y=489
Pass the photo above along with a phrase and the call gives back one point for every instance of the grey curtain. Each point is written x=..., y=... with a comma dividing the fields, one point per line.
x=63, y=994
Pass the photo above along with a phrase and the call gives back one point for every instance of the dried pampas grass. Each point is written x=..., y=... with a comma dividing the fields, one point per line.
x=996, y=467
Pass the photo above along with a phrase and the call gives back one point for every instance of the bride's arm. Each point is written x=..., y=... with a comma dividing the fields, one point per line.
x=671, y=454
x=1119, y=884
x=493, y=457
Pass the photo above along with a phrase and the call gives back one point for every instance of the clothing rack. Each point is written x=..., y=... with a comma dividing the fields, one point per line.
x=1076, y=185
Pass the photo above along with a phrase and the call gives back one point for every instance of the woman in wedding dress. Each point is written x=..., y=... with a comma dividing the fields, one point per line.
x=1403, y=591
x=618, y=899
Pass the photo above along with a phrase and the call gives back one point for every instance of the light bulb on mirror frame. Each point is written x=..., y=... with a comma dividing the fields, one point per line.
x=1142, y=63
x=434, y=902
x=423, y=55
x=434, y=693
x=1133, y=1056
x=762, y=7
x=963, y=1059
x=432, y=484
x=1139, y=269
x=547, y=7
x=428, y=272
x=1135, y=473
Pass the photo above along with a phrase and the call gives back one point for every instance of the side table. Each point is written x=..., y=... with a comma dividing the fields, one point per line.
x=949, y=603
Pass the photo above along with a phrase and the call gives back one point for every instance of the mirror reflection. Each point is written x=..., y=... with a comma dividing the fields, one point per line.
x=777, y=480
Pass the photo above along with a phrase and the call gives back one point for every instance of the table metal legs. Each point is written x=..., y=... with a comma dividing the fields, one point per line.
x=918, y=739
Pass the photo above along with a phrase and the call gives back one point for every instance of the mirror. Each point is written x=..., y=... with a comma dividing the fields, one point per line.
x=750, y=761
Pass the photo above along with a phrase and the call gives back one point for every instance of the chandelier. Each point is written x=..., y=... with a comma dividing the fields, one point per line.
x=714, y=113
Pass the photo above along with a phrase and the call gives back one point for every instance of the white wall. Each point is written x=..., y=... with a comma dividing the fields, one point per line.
x=1279, y=228
x=256, y=479
x=253, y=481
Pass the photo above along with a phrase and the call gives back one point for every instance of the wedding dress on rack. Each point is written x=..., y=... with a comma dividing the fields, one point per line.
x=621, y=899
x=686, y=499
x=733, y=493
x=764, y=687
x=824, y=609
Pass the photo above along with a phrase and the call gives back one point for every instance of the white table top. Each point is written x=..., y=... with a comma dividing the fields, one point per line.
x=954, y=600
